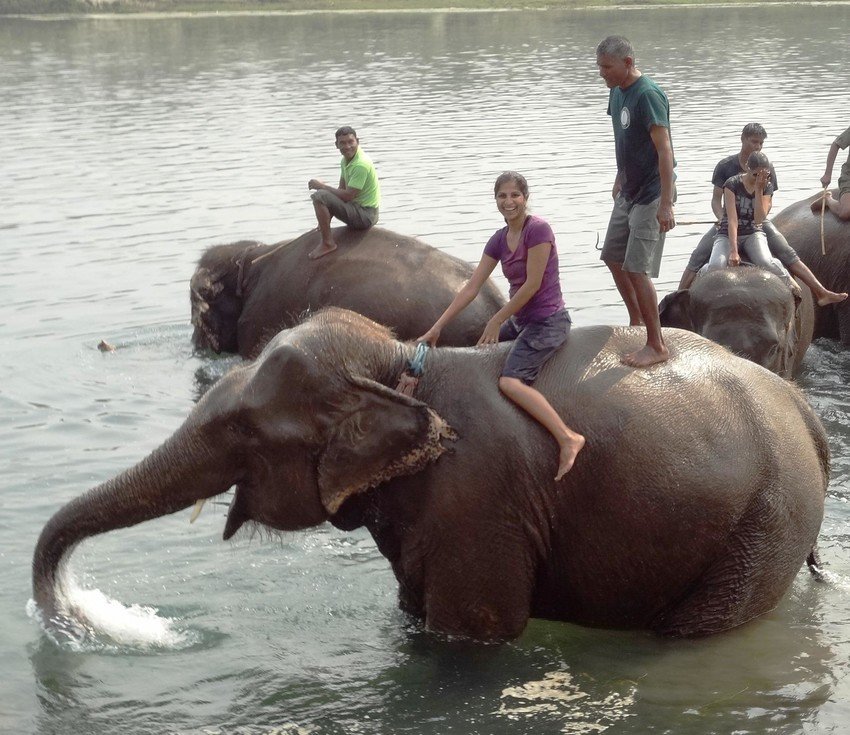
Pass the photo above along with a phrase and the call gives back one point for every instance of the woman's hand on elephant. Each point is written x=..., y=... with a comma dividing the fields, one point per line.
x=490, y=335
x=430, y=337
x=734, y=258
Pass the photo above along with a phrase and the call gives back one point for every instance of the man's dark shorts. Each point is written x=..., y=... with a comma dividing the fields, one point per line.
x=360, y=218
x=533, y=344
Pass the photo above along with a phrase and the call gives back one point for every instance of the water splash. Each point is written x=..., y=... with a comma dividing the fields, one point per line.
x=557, y=697
x=93, y=621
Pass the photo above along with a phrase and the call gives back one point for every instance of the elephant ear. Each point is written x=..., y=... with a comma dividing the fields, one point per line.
x=378, y=434
x=674, y=310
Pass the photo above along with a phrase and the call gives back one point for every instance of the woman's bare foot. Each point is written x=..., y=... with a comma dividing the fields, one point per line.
x=831, y=297
x=569, y=451
x=323, y=249
x=646, y=356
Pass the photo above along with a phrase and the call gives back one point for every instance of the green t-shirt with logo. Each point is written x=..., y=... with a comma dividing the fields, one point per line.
x=634, y=110
x=359, y=173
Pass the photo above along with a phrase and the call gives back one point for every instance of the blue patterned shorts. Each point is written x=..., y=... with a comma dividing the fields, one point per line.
x=533, y=344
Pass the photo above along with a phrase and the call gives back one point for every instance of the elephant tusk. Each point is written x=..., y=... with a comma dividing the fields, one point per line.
x=196, y=510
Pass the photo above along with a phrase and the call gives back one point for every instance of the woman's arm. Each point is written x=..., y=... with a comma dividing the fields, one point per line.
x=763, y=201
x=464, y=298
x=732, y=222
x=535, y=267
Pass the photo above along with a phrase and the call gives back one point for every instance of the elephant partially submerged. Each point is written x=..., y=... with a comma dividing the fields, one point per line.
x=244, y=293
x=749, y=311
x=690, y=510
x=801, y=228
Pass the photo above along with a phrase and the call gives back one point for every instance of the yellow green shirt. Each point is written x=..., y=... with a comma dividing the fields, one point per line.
x=359, y=173
x=842, y=141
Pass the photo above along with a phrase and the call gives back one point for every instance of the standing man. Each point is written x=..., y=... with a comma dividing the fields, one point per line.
x=839, y=207
x=357, y=198
x=643, y=190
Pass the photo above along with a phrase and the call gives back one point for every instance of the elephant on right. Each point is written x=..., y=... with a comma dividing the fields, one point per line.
x=802, y=229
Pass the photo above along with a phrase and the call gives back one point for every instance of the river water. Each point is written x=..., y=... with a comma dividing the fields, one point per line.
x=129, y=145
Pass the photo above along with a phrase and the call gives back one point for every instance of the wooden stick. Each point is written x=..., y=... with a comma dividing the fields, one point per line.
x=822, y=210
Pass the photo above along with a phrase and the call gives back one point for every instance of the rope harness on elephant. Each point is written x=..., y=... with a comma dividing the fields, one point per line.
x=409, y=379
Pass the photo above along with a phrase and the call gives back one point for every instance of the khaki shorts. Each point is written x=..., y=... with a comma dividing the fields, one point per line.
x=354, y=215
x=634, y=238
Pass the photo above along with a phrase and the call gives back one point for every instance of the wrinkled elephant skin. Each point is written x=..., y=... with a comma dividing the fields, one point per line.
x=749, y=311
x=802, y=229
x=244, y=293
x=672, y=520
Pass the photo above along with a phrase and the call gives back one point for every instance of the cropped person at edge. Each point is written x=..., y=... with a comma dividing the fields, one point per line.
x=534, y=318
x=643, y=191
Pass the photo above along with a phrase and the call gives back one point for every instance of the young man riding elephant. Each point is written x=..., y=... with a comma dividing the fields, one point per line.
x=355, y=200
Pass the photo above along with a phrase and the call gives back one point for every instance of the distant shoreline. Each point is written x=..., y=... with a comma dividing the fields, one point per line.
x=52, y=8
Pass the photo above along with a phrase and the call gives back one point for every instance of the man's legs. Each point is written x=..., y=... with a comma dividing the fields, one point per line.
x=654, y=350
x=780, y=248
x=614, y=253
x=323, y=217
x=627, y=293
x=699, y=257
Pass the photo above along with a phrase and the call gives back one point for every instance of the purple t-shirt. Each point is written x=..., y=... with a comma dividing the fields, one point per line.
x=548, y=298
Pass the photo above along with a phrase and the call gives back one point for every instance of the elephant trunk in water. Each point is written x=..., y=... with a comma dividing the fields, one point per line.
x=176, y=475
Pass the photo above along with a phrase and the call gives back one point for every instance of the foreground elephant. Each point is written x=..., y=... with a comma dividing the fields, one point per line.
x=749, y=311
x=691, y=509
x=241, y=298
x=802, y=230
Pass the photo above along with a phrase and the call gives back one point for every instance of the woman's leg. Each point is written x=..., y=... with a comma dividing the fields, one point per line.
x=756, y=250
x=719, y=253
x=534, y=403
x=534, y=345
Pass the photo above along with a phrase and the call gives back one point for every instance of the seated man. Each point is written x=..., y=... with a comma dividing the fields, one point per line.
x=357, y=198
x=839, y=207
x=752, y=140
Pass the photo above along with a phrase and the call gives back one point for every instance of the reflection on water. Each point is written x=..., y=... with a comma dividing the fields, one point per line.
x=130, y=145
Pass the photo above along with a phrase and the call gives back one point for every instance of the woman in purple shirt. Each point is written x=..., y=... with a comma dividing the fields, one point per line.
x=534, y=317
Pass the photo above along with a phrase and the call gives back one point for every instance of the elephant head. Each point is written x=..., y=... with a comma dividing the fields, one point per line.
x=749, y=311
x=297, y=432
x=216, y=294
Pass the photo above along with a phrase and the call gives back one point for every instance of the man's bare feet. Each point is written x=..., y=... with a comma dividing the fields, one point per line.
x=818, y=205
x=323, y=249
x=569, y=451
x=645, y=357
x=831, y=297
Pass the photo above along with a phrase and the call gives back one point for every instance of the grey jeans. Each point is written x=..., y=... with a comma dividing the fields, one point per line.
x=776, y=242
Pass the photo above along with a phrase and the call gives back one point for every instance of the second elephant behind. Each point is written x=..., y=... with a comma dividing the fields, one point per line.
x=749, y=311
x=244, y=293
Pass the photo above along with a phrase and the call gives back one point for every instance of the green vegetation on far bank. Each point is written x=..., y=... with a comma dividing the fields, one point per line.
x=88, y=7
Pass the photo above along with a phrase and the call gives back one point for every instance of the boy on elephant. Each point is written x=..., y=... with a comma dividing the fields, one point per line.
x=355, y=200
x=839, y=207
x=534, y=318
x=752, y=140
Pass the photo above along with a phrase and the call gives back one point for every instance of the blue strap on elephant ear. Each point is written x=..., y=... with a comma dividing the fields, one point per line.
x=416, y=365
